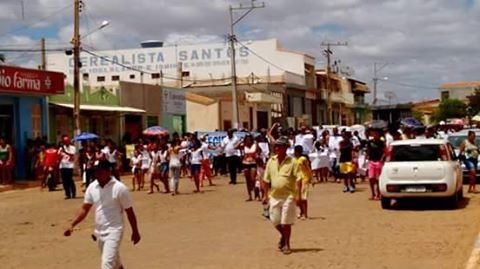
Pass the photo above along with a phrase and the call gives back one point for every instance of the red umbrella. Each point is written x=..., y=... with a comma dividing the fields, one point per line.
x=155, y=131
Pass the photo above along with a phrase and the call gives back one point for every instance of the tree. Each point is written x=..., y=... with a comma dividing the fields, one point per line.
x=418, y=115
x=474, y=103
x=450, y=108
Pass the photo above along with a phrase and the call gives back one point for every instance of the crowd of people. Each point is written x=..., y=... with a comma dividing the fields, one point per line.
x=279, y=167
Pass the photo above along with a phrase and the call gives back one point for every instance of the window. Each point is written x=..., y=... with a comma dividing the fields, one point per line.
x=416, y=153
x=100, y=79
x=185, y=73
x=155, y=75
x=445, y=95
x=85, y=76
x=132, y=76
x=115, y=78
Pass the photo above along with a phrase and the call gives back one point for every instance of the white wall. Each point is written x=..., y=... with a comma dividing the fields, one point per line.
x=202, y=117
x=204, y=61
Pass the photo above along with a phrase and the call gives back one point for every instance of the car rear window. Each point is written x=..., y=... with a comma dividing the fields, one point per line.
x=456, y=140
x=415, y=153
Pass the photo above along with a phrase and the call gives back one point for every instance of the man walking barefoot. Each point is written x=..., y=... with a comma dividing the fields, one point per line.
x=110, y=197
x=281, y=181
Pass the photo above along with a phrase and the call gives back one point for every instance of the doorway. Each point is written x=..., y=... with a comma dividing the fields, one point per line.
x=6, y=123
x=262, y=120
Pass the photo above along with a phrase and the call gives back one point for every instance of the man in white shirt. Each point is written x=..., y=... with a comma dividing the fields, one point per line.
x=110, y=198
x=305, y=139
x=67, y=158
x=230, y=148
x=334, y=145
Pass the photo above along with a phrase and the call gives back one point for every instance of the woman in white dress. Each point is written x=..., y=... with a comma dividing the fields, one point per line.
x=320, y=160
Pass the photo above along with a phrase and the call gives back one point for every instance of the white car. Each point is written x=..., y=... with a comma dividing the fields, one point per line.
x=421, y=168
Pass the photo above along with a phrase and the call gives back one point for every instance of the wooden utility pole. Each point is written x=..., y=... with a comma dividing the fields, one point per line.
x=327, y=53
x=76, y=66
x=232, y=39
x=44, y=57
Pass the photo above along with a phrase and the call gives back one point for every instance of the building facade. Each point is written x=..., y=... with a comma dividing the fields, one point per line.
x=458, y=90
x=24, y=110
x=263, y=66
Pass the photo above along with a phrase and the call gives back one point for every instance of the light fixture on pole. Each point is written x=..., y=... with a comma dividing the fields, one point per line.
x=232, y=39
x=76, y=41
x=376, y=79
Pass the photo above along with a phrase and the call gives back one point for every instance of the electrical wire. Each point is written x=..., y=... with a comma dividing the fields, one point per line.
x=410, y=85
x=146, y=72
x=56, y=12
x=260, y=57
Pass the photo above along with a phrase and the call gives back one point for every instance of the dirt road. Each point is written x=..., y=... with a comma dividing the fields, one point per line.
x=218, y=229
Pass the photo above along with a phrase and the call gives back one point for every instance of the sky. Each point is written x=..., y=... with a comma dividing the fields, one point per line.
x=419, y=43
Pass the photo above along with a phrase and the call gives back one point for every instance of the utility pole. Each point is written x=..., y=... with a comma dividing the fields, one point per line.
x=327, y=53
x=376, y=69
x=76, y=66
x=44, y=57
x=232, y=39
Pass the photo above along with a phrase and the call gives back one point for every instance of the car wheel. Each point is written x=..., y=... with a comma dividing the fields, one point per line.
x=386, y=203
x=454, y=200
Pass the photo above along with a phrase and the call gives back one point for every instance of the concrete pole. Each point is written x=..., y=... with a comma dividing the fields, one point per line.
x=76, y=67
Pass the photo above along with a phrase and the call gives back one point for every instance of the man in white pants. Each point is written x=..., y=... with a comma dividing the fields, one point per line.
x=110, y=198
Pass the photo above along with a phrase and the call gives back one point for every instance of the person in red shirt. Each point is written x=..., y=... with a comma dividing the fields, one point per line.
x=50, y=164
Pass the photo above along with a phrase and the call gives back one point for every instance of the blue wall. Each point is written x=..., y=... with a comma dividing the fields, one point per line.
x=22, y=110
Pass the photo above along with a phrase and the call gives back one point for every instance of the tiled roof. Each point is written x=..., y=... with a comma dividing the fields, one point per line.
x=461, y=84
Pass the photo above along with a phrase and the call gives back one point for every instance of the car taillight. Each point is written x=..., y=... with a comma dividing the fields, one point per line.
x=443, y=153
x=388, y=153
x=439, y=187
x=393, y=188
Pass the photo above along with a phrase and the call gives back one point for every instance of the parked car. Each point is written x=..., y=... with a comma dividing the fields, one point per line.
x=421, y=168
x=456, y=140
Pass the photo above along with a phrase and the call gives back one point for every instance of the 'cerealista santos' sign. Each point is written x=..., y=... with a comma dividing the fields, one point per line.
x=30, y=81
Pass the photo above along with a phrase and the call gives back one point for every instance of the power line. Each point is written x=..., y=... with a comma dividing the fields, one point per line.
x=31, y=50
x=146, y=72
x=410, y=85
x=35, y=22
x=261, y=58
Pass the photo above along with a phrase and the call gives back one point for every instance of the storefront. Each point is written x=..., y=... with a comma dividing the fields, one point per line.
x=24, y=109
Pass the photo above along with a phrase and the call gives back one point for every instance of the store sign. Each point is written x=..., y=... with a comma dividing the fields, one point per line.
x=174, y=102
x=30, y=81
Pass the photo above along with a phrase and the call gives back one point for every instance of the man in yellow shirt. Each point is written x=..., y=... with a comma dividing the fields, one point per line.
x=281, y=180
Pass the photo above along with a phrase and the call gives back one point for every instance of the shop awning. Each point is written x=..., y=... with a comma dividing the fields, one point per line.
x=103, y=108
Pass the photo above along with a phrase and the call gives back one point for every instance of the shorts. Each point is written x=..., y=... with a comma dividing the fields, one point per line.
x=248, y=166
x=195, y=168
x=164, y=168
x=282, y=211
x=374, y=169
x=305, y=191
x=346, y=168
x=471, y=164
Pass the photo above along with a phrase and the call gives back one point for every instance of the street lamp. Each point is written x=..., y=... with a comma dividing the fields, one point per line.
x=76, y=62
x=103, y=25
x=377, y=69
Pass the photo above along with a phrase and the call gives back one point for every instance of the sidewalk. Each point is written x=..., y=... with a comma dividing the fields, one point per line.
x=20, y=185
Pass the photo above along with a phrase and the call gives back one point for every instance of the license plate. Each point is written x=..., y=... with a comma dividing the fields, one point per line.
x=416, y=189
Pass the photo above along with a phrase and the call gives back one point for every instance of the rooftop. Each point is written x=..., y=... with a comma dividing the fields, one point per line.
x=461, y=84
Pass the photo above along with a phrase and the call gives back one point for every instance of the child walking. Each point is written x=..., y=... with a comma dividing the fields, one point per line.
x=304, y=167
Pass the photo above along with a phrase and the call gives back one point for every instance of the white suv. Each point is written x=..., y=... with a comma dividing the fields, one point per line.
x=421, y=168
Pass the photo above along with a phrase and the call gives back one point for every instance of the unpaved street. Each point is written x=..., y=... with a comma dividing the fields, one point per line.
x=218, y=229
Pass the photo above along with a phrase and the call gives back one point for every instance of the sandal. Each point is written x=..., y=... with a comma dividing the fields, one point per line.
x=286, y=251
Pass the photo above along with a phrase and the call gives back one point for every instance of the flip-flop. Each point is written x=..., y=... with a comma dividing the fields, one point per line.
x=286, y=251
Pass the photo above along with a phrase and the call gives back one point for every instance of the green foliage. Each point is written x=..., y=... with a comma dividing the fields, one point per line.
x=418, y=115
x=450, y=108
x=474, y=103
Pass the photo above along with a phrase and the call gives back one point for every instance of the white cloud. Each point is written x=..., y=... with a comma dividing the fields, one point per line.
x=424, y=42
